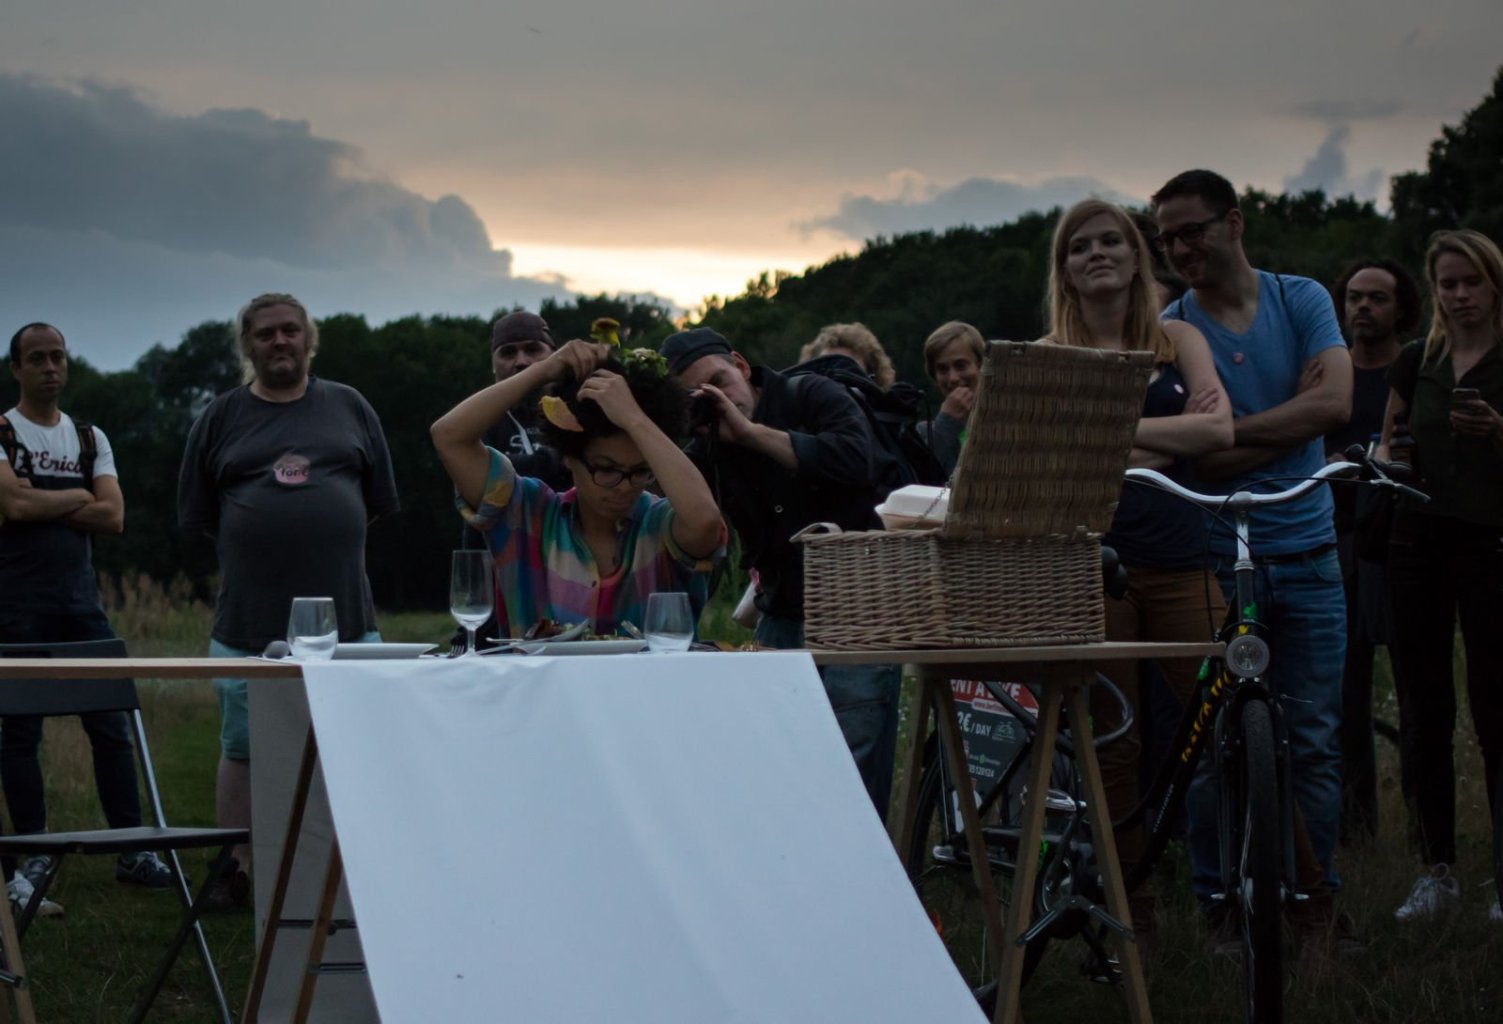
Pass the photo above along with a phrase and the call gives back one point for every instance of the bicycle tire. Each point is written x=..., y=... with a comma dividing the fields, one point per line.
x=1260, y=902
x=940, y=871
x=1498, y=835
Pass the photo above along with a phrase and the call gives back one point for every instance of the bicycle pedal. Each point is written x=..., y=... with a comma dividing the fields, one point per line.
x=1108, y=972
x=944, y=854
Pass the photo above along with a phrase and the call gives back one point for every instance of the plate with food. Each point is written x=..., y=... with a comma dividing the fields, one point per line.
x=555, y=638
x=380, y=651
x=583, y=645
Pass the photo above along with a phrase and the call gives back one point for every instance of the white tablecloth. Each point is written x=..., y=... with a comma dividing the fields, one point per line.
x=654, y=838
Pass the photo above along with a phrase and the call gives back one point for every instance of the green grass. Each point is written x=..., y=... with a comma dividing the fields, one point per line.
x=1447, y=970
x=86, y=966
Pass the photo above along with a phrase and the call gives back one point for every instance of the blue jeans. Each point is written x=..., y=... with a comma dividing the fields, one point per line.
x=109, y=733
x=1304, y=607
x=865, y=701
x=234, y=706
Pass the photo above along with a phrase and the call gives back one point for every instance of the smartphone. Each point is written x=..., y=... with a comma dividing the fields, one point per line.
x=1460, y=395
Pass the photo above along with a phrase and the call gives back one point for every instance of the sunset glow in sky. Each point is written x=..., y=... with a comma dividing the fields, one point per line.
x=167, y=159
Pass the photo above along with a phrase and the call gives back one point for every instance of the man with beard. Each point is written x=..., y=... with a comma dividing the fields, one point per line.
x=1280, y=354
x=519, y=339
x=285, y=473
x=1377, y=303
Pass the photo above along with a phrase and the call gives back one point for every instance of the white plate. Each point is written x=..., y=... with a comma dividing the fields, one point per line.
x=367, y=652
x=622, y=645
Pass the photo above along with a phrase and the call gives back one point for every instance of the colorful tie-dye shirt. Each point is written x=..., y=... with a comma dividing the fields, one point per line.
x=544, y=568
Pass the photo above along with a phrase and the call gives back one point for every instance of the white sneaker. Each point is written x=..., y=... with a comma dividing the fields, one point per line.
x=20, y=890
x=1495, y=915
x=1435, y=892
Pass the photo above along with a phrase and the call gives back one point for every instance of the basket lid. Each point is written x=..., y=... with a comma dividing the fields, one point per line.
x=1048, y=440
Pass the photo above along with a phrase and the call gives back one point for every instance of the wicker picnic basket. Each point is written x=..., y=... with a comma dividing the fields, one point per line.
x=1018, y=560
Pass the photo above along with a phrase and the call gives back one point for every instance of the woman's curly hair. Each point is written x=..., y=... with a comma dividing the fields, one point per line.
x=663, y=399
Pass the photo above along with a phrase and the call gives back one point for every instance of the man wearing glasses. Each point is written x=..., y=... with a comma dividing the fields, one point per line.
x=1281, y=356
x=781, y=453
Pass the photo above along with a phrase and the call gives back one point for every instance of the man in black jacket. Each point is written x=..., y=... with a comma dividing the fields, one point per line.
x=781, y=453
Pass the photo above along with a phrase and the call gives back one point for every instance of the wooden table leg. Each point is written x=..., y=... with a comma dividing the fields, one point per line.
x=282, y=879
x=1025, y=876
x=953, y=745
x=1106, y=850
x=322, y=921
x=905, y=807
x=10, y=942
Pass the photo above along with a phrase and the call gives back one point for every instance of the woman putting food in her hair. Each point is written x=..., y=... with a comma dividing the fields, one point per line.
x=596, y=552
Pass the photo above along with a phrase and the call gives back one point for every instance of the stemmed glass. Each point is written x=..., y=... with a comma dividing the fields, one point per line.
x=471, y=593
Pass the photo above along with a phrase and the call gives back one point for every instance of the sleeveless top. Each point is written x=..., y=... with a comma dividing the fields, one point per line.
x=1153, y=528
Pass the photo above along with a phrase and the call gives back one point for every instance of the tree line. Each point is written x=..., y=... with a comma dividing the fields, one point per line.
x=412, y=370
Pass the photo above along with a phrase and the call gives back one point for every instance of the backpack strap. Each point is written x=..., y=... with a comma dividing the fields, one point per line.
x=17, y=453
x=88, y=451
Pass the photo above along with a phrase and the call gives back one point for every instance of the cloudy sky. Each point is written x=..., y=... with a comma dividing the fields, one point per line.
x=163, y=160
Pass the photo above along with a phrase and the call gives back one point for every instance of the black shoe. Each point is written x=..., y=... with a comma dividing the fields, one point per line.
x=144, y=869
x=35, y=868
x=230, y=891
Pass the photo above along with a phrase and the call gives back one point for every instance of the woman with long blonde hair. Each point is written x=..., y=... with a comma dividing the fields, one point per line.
x=1445, y=559
x=1101, y=296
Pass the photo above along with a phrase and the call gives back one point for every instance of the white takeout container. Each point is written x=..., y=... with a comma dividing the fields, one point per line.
x=915, y=507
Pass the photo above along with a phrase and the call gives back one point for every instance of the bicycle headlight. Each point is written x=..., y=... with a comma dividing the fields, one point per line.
x=1247, y=656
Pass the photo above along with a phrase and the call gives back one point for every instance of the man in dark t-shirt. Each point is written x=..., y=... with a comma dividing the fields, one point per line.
x=518, y=339
x=1377, y=303
x=285, y=473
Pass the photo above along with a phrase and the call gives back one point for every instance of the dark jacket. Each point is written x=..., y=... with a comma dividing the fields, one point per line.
x=768, y=503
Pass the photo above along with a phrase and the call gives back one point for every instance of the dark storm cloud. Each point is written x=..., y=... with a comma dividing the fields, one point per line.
x=131, y=225
x=239, y=182
x=977, y=201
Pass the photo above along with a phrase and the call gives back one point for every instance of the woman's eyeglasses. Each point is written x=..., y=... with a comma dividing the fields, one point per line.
x=611, y=476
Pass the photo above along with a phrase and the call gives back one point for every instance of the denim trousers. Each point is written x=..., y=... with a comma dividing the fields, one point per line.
x=1304, y=607
x=865, y=701
x=108, y=731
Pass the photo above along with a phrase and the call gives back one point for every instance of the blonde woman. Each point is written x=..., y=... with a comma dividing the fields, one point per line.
x=1445, y=562
x=856, y=342
x=1101, y=296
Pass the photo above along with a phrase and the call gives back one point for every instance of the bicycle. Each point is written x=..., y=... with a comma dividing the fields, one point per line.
x=1233, y=712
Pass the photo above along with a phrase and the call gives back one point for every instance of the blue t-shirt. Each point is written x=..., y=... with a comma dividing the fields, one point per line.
x=1260, y=369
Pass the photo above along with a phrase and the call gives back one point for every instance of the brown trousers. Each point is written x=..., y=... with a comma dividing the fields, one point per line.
x=1161, y=606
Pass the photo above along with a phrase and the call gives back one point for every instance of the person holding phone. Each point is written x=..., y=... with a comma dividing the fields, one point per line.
x=1446, y=556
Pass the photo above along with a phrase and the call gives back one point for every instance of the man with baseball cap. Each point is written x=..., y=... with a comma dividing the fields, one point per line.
x=519, y=339
x=781, y=453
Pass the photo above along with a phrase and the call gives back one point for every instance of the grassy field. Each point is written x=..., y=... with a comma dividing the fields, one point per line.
x=87, y=965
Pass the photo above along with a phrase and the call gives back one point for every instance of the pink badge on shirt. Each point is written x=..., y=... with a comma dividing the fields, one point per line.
x=291, y=469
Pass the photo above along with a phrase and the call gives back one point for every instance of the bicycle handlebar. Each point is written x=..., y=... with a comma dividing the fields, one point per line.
x=1369, y=470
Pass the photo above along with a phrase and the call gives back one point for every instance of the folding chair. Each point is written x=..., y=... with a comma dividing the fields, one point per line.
x=52, y=697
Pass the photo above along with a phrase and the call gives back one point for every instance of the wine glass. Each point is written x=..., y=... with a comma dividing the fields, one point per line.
x=312, y=628
x=670, y=623
x=471, y=593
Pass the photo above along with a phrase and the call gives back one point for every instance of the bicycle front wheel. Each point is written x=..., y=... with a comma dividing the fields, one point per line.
x=940, y=869
x=1260, y=899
